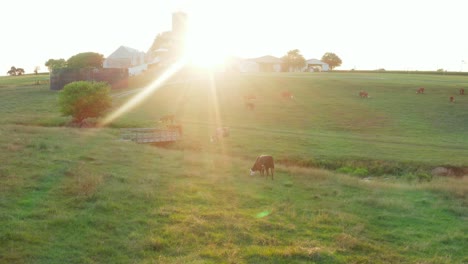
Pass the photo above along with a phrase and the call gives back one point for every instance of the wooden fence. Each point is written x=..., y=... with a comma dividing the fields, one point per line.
x=150, y=135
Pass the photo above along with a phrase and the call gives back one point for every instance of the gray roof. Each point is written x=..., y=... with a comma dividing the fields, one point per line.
x=315, y=61
x=124, y=52
x=266, y=59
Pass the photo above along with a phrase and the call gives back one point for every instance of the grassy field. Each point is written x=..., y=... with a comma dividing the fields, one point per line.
x=71, y=195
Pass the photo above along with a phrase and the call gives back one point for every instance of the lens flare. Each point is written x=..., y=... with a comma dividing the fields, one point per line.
x=138, y=98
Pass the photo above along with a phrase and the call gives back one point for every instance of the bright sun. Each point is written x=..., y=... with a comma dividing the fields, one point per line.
x=203, y=50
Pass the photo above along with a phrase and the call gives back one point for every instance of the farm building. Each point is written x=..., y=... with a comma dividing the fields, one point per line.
x=262, y=64
x=316, y=65
x=124, y=58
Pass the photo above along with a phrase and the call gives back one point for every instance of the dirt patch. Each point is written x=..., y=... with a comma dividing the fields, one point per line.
x=450, y=171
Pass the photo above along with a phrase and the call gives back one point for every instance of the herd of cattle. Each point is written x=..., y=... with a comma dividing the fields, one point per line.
x=364, y=94
x=263, y=163
x=249, y=100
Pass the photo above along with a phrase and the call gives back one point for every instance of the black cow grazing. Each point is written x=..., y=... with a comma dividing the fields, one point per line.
x=262, y=164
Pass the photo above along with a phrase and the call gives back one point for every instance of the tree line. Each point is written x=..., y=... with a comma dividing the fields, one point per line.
x=293, y=60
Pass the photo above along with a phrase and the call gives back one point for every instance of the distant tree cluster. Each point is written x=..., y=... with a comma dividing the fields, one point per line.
x=15, y=71
x=81, y=60
x=294, y=61
x=331, y=59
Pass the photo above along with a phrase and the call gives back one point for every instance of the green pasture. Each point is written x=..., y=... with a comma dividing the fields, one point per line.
x=70, y=195
x=327, y=124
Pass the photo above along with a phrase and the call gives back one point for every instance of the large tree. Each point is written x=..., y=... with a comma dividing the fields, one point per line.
x=84, y=99
x=12, y=71
x=52, y=64
x=19, y=71
x=86, y=60
x=331, y=59
x=293, y=60
x=162, y=41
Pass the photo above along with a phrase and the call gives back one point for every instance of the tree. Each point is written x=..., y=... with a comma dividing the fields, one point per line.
x=19, y=71
x=293, y=60
x=52, y=64
x=36, y=70
x=161, y=41
x=86, y=60
x=172, y=43
x=12, y=71
x=84, y=99
x=331, y=59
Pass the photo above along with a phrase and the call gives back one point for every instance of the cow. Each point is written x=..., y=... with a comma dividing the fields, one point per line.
x=250, y=105
x=452, y=99
x=167, y=118
x=287, y=95
x=262, y=164
x=420, y=90
x=462, y=91
x=363, y=94
x=250, y=97
x=175, y=127
x=220, y=133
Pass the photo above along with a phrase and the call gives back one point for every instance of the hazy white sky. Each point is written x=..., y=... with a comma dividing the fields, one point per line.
x=365, y=34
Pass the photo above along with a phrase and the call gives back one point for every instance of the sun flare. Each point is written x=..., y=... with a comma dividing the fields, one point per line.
x=204, y=50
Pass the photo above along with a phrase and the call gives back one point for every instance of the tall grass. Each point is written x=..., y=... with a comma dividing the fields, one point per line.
x=72, y=195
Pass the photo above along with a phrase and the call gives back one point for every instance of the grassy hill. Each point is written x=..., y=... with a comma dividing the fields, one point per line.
x=72, y=195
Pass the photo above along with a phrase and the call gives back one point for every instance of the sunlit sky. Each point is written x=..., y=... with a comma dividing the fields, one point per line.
x=365, y=34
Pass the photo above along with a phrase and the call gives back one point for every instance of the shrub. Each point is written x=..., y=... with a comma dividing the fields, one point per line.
x=345, y=170
x=361, y=172
x=84, y=99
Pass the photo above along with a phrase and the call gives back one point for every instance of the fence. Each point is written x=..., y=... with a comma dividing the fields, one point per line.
x=150, y=135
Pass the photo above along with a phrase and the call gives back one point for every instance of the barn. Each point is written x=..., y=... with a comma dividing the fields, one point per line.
x=262, y=64
x=124, y=58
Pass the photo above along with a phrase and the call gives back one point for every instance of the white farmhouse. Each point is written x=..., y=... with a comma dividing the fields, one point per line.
x=316, y=65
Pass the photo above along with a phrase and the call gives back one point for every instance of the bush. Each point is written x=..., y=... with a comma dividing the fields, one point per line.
x=345, y=170
x=362, y=172
x=84, y=99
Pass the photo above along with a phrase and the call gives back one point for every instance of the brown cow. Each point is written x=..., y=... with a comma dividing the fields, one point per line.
x=250, y=97
x=420, y=90
x=174, y=127
x=220, y=133
x=250, y=105
x=167, y=118
x=452, y=99
x=287, y=95
x=363, y=94
x=263, y=163
x=462, y=91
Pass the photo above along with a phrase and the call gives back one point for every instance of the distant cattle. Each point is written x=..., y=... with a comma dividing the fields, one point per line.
x=462, y=91
x=363, y=94
x=167, y=119
x=262, y=164
x=452, y=99
x=250, y=97
x=250, y=105
x=287, y=95
x=420, y=90
x=220, y=133
x=174, y=127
